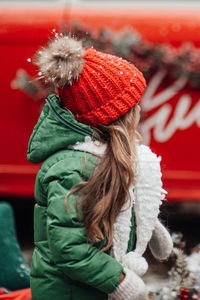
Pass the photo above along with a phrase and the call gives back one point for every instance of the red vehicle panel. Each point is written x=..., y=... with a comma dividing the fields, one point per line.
x=171, y=113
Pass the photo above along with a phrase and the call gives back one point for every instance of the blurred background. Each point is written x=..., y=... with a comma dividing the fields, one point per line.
x=162, y=38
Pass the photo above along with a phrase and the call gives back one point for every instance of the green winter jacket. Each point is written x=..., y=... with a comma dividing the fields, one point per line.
x=64, y=265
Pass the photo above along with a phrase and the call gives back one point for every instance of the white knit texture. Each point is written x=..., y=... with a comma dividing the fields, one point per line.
x=94, y=147
x=122, y=229
x=135, y=263
x=161, y=244
x=131, y=288
x=148, y=195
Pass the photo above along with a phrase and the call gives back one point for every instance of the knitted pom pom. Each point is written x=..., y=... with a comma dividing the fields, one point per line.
x=135, y=262
x=61, y=62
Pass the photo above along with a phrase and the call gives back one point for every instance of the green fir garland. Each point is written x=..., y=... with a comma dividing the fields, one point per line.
x=147, y=56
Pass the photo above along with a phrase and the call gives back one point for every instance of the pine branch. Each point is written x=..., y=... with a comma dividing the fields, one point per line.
x=180, y=274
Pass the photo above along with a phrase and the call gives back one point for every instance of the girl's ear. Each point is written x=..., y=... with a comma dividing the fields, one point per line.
x=161, y=244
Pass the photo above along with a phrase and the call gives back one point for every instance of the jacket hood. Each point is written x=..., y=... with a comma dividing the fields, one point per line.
x=56, y=129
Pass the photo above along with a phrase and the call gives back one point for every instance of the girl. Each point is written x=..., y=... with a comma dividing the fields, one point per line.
x=98, y=191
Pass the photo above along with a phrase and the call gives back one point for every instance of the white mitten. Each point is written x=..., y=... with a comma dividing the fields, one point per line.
x=135, y=262
x=131, y=288
x=161, y=244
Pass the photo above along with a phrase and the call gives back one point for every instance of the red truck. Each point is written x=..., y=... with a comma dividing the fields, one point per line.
x=171, y=110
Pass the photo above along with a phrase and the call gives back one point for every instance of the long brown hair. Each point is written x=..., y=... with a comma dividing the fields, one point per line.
x=104, y=194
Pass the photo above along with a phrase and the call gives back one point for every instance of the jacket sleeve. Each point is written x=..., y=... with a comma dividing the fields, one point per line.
x=71, y=252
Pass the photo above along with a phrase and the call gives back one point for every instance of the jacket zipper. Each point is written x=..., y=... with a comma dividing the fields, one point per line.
x=66, y=123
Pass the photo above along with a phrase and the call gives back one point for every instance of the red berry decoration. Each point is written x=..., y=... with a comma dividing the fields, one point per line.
x=186, y=294
x=184, y=291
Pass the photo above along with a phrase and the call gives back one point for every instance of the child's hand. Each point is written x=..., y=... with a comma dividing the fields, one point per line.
x=131, y=287
x=122, y=276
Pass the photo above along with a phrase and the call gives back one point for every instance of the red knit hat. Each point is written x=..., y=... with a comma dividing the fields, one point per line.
x=96, y=87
